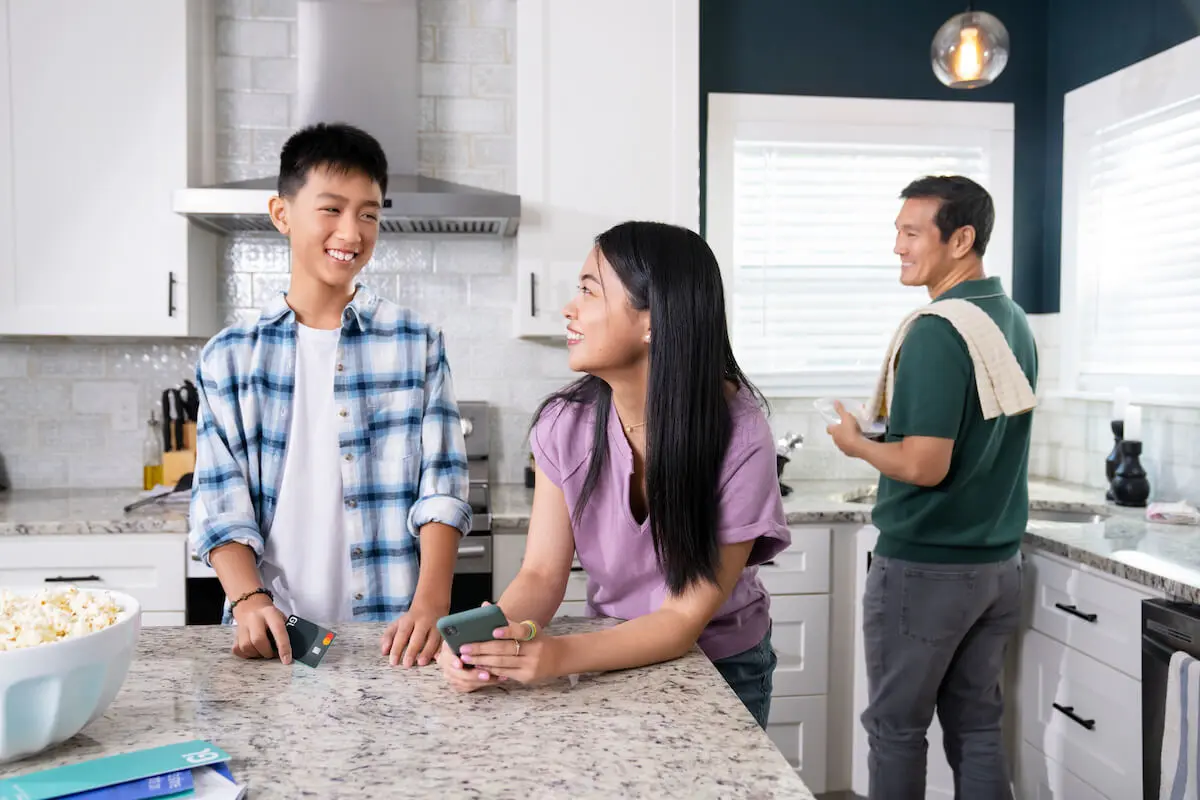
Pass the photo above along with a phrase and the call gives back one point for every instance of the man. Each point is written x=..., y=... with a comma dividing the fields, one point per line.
x=329, y=445
x=942, y=599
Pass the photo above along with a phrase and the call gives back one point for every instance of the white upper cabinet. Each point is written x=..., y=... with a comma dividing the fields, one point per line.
x=100, y=109
x=607, y=127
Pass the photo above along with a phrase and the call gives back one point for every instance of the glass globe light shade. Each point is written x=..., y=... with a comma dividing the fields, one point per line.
x=970, y=50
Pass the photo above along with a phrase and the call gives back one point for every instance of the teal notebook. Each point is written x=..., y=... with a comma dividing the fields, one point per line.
x=74, y=778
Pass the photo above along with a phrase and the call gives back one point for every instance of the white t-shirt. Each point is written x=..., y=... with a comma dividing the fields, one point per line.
x=306, y=561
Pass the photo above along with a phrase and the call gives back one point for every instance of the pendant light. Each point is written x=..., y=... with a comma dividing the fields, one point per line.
x=970, y=50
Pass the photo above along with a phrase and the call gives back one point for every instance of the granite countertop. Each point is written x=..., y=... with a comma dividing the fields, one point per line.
x=1163, y=557
x=355, y=727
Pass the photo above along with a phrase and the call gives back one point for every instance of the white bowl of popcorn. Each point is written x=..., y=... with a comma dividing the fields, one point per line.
x=64, y=654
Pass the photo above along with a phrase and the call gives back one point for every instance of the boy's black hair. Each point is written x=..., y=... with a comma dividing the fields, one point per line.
x=335, y=146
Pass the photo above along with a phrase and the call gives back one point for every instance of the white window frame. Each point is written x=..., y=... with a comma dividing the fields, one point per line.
x=1151, y=85
x=866, y=119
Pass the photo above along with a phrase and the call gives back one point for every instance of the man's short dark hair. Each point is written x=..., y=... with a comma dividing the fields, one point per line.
x=334, y=146
x=963, y=202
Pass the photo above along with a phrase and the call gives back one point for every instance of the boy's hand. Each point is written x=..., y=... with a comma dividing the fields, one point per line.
x=413, y=638
x=256, y=616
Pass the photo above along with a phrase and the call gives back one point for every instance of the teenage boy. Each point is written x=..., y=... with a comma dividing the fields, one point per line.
x=329, y=446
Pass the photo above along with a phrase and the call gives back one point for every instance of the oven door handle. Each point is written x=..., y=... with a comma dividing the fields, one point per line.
x=471, y=551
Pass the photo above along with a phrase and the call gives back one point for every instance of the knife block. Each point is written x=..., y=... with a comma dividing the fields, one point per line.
x=177, y=463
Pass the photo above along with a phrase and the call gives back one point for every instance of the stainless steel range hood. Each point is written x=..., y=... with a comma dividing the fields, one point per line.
x=358, y=63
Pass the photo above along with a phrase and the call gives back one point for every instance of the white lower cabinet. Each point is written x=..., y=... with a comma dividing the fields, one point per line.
x=150, y=567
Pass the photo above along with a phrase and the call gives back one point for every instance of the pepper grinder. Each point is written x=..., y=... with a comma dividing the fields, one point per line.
x=783, y=449
x=1130, y=486
x=1114, y=457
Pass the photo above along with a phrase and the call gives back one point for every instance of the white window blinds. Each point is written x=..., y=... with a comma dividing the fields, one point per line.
x=815, y=295
x=1138, y=248
x=802, y=195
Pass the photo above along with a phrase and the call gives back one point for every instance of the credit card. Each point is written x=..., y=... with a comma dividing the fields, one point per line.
x=309, y=640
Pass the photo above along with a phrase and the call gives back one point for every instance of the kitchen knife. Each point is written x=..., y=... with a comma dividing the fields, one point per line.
x=166, y=420
x=177, y=419
x=191, y=401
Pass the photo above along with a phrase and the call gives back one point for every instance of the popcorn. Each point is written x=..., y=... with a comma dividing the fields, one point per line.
x=51, y=615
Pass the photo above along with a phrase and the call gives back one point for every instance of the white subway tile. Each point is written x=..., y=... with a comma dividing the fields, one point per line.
x=234, y=145
x=256, y=253
x=494, y=13
x=21, y=398
x=428, y=115
x=80, y=361
x=427, y=44
x=469, y=256
x=252, y=110
x=239, y=292
x=117, y=399
x=401, y=255
x=471, y=115
x=472, y=45
x=232, y=73
x=275, y=75
x=242, y=9
x=444, y=12
x=156, y=364
x=237, y=37
x=495, y=179
x=267, y=285
x=444, y=150
x=117, y=467
x=239, y=171
x=493, y=80
x=14, y=360
x=275, y=9
x=268, y=144
x=72, y=435
x=39, y=471
x=445, y=80
x=493, y=151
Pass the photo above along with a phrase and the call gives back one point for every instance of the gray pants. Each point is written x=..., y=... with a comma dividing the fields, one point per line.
x=935, y=637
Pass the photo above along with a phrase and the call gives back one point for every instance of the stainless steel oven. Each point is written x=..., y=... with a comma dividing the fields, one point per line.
x=1167, y=627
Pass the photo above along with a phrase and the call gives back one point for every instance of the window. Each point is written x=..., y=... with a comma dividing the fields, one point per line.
x=1131, y=244
x=802, y=197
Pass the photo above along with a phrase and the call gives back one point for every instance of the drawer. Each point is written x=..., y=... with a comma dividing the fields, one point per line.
x=796, y=726
x=1096, y=616
x=576, y=586
x=572, y=608
x=1042, y=778
x=150, y=567
x=800, y=638
x=801, y=569
x=1082, y=714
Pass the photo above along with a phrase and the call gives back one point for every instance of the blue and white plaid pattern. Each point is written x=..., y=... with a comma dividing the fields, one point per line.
x=400, y=427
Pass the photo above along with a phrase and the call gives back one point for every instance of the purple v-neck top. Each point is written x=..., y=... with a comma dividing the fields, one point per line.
x=624, y=579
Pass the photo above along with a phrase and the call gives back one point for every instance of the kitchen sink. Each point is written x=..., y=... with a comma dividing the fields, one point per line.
x=1073, y=516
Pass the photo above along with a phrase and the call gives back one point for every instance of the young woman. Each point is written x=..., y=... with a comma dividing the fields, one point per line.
x=658, y=469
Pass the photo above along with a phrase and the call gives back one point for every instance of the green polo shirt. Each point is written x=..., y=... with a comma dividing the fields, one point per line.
x=979, y=512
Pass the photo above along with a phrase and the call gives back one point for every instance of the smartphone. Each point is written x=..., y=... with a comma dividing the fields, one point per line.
x=473, y=625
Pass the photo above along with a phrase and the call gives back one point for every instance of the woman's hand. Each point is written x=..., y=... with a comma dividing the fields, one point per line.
x=463, y=677
x=519, y=652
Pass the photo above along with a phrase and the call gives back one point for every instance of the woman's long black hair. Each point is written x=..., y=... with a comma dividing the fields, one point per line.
x=672, y=272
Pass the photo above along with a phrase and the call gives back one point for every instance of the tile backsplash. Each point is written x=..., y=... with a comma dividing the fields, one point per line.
x=73, y=412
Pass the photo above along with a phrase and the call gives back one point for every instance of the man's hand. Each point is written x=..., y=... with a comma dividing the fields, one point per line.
x=847, y=434
x=255, y=616
x=413, y=637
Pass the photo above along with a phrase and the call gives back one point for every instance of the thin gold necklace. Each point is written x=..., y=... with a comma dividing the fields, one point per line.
x=632, y=428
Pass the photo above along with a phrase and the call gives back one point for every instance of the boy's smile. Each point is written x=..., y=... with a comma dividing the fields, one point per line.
x=333, y=224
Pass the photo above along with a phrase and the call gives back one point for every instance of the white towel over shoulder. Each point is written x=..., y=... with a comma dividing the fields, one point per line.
x=1181, y=730
x=1002, y=384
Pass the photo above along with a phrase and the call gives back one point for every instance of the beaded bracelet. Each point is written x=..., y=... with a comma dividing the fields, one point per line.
x=259, y=590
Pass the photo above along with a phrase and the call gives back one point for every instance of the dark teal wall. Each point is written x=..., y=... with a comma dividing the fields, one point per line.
x=880, y=48
x=1088, y=39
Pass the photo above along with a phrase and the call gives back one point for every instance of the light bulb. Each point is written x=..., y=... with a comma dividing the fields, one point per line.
x=970, y=50
x=968, y=60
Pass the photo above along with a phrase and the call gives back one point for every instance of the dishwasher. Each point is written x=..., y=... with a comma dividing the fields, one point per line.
x=1167, y=627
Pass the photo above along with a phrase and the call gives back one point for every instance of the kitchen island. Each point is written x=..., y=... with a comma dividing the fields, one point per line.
x=355, y=727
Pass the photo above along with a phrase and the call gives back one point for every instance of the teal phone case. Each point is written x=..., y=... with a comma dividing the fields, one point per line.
x=473, y=625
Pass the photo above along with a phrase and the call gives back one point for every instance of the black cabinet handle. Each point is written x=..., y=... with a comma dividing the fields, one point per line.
x=73, y=579
x=170, y=294
x=576, y=569
x=1090, y=724
x=533, y=294
x=1075, y=612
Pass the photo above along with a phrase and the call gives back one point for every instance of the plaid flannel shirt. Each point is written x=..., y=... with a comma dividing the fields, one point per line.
x=399, y=425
